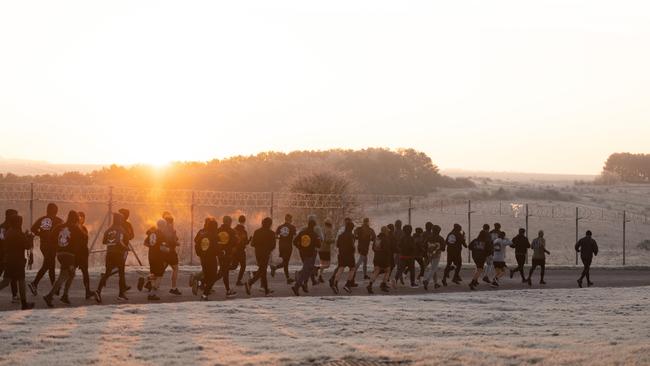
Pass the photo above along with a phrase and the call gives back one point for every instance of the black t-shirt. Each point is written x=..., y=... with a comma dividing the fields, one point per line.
x=286, y=233
x=43, y=228
x=307, y=241
x=263, y=241
x=205, y=244
x=345, y=244
x=115, y=239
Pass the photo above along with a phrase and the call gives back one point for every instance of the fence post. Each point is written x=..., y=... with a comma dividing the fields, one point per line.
x=624, y=228
x=469, y=229
x=410, y=208
x=31, y=204
x=527, y=216
x=192, y=229
x=577, y=220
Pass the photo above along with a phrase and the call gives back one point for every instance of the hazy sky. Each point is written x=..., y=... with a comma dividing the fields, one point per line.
x=538, y=86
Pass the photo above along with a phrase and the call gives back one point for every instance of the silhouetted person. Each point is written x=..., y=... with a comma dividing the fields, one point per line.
x=83, y=256
x=588, y=249
x=407, y=251
x=481, y=249
x=307, y=241
x=170, y=256
x=239, y=255
x=285, y=234
x=382, y=260
x=43, y=228
x=69, y=239
x=398, y=234
x=227, y=242
x=264, y=243
x=539, y=257
x=434, y=246
x=15, y=243
x=3, y=230
x=115, y=241
x=365, y=236
x=345, y=245
x=206, y=248
x=455, y=242
x=521, y=245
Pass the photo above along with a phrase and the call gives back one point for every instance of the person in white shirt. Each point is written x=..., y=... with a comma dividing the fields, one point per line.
x=499, y=257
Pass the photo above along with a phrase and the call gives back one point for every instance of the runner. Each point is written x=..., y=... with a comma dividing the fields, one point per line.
x=499, y=257
x=69, y=239
x=307, y=241
x=455, y=242
x=227, y=242
x=154, y=240
x=539, y=257
x=239, y=255
x=206, y=249
x=365, y=236
x=521, y=245
x=481, y=248
x=346, y=221
x=588, y=248
x=130, y=234
x=382, y=260
x=285, y=233
x=114, y=239
x=15, y=244
x=420, y=251
x=489, y=265
x=43, y=228
x=168, y=251
x=407, y=255
x=264, y=244
x=325, y=252
x=398, y=234
x=435, y=245
x=3, y=230
x=83, y=256
x=345, y=245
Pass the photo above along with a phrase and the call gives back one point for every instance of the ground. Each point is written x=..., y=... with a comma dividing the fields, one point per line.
x=510, y=326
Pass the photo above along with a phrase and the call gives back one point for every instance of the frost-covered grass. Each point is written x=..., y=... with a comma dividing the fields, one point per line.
x=598, y=326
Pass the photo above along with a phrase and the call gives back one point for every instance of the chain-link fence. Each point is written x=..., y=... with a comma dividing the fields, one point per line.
x=618, y=233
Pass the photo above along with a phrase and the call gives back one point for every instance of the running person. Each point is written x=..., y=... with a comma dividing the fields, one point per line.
x=345, y=245
x=481, y=248
x=499, y=257
x=588, y=248
x=307, y=242
x=206, y=249
x=285, y=233
x=154, y=240
x=434, y=246
x=239, y=254
x=539, y=257
x=43, y=228
x=325, y=251
x=455, y=242
x=15, y=244
x=3, y=230
x=114, y=239
x=168, y=251
x=264, y=243
x=382, y=260
x=420, y=250
x=521, y=245
x=365, y=236
x=407, y=255
x=226, y=242
x=398, y=234
x=69, y=239
x=83, y=256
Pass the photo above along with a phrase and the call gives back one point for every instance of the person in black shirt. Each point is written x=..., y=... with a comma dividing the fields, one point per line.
x=455, y=242
x=345, y=245
x=285, y=233
x=83, y=256
x=43, y=228
x=365, y=236
x=307, y=241
x=521, y=245
x=68, y=238
x=3, y=230
x=382, y=260
x=15, y=243
x=115, y=241
x=407, y=252
x=206, y=249
x=226, y=242
x=169, y=253
x=239, y=254
x=264, y=244
x=481, y=249
x=588, y=248
x=398, y=234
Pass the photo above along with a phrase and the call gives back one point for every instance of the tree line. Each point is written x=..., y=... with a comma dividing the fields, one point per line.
x=373, y=170
x=627, y=167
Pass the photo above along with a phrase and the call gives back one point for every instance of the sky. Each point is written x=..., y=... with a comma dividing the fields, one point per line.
x=530, y=86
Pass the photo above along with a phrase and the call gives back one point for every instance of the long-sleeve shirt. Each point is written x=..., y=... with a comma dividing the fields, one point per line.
x=587, y=247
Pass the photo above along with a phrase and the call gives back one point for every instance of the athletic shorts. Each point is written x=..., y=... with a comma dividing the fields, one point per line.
x=539, y=262
x=479, y=261
x=171, y=258
x=346, y=261
x=325, y=256
x=382, y=260
x=157, y=264
x=500, y=265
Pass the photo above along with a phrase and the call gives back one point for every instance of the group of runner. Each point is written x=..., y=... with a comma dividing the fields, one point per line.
x=222, y=248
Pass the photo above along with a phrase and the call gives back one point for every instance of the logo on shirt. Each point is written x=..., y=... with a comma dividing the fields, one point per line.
x=205, y=244
x=223, y=238
x=46, y=224
x=305, y=241
x=64, y=237
x=284, y=231
x=2, y=233
x=451, y=239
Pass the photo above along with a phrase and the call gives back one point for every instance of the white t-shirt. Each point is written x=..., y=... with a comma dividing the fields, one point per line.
x=500, y=246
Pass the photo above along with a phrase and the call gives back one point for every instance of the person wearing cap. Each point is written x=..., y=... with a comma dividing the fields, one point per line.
x=521, y=245
x=588, y=248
